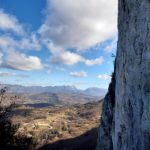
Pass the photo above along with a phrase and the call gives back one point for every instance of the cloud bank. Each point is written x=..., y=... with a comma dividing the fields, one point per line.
x=73, y=24
x=79, y=24
x=13, y=50
x=20, y=61
x=70, y=58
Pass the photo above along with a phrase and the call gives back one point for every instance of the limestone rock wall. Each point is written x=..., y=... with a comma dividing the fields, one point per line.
x=126, y=115
x=104, y=141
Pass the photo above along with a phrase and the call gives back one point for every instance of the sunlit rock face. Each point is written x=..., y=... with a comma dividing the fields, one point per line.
x=125, y=123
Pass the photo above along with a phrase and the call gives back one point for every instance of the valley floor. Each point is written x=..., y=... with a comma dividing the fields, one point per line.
x=66, y=128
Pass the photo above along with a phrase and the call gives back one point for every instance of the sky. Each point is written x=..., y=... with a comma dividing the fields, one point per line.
x=57, y=42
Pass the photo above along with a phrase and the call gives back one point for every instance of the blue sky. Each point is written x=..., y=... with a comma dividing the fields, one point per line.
x=57, y=42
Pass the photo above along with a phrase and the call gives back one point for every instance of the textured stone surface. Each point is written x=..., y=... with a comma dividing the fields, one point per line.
x=126, y=113
x=107, y=122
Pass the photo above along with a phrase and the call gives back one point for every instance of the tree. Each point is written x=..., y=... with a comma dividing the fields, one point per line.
x=9, y=139
x=7, y=129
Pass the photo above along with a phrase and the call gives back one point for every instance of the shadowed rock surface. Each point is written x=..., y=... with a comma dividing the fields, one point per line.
x=125, y=123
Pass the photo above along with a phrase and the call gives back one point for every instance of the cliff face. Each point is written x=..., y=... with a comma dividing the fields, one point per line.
x=125, y=123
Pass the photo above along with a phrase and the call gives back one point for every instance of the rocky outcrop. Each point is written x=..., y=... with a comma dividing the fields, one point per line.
x=107, y=122
x=125, y=123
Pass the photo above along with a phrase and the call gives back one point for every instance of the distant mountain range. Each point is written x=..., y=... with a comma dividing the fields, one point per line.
x=55, y=95
x=97, y=92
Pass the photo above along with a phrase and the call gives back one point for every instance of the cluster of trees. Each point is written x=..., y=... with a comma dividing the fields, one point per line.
x=8, y=138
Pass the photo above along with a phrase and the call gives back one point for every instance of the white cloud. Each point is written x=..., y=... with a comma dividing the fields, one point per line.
x=19, y=61
x=70, y=58
x=30, y=43
x=66, y=58
x=10, y=23
x=97, y=61
x=104, y=76
x=79, y=74
x=79, y=23
x=54, y=49
x=6, y=42
x=27, y=41
x=111, y=46
x=13, y=49
x=10, y=56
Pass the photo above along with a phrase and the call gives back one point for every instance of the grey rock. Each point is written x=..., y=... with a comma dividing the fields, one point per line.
x=125, y=123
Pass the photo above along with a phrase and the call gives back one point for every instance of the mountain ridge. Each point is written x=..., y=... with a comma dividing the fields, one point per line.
x=92, y=91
